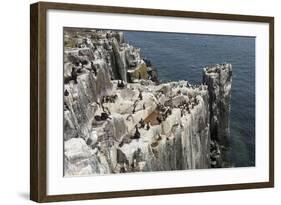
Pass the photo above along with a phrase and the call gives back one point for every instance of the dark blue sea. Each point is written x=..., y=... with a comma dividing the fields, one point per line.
x=182, y=57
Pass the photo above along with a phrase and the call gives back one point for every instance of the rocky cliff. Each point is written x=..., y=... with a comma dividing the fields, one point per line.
x=219, y=79
x=118, y=118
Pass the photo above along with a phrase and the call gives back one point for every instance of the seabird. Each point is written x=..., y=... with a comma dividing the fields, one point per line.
x=140, y=95
x=159, y=119
x=159, y=137
x=182, y=112
x=120, y=84
x=94, y=69
x=147, y=126
x=66, y=93
x=74, y=75
x=134, y=164
x=123, y=169
x=79, y=70
x=121, y=144
x=97, y=117
x=104, y=116
x=142, y=124
x=65, y=106
x=134, y=107
x=137, y=133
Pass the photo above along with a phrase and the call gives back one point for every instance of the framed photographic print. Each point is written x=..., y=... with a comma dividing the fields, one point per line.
x=134, y=102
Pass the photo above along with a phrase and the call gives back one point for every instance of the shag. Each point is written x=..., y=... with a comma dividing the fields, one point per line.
x=104, y=116
x=159, y=137
x=122, y=169
x=65, y=106
x=74, y=75
x=120, y=84
x=94, y=69
x=97, y=118
x=147, y=126
x=140, y=95
x=137, y=133
x=121, y=144
x=66, y=93
x=142, y=124
x=159, y=119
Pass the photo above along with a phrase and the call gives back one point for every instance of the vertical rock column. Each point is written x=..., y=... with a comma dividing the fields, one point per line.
x=219, y=79
x=120, y=59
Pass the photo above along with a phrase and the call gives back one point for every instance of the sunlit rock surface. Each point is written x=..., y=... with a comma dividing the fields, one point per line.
x=118, y=118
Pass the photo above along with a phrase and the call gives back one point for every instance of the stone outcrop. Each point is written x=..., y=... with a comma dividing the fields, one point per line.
x=140, y=72
x=219, y=80
x=118, y=118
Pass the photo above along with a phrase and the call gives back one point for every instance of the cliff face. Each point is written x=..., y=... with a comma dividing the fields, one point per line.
x=219, y=79
x=79, y=96
x=113, y=126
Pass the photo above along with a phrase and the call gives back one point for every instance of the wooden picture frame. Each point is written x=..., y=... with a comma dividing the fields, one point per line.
x=38, y=100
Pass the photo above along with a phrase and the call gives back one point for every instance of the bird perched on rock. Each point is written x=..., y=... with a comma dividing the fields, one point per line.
x=134, y=110
x=137, y=133
x=65, y=106
x=142, y=124
x=66, y=93
x=107, y=110
x=182, y=112
x=147, y=126
x=159, y=137
x=79, y=70
x=120, y=84
x=159, y=119
x=74, y=75
x=97, y=117
x=94, y=69
x=104, y=116
x=123, y=168
x=169, y=111
x=134, y=164
x=121, y=143
x=192, y=105
x=140, y=95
